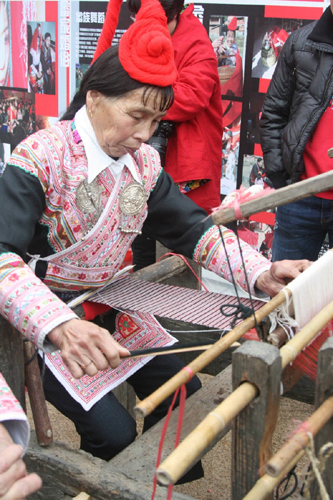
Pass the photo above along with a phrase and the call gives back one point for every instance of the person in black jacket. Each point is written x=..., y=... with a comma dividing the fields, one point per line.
x=296, y=136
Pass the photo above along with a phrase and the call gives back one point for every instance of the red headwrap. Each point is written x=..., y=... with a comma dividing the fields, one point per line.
x=145, y=49
x=232, y=26
x=35, y=38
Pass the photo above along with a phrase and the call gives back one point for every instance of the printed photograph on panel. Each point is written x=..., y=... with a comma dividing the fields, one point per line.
x=255, y=108
x=17, y=117
x=87, y=24
x=230, y=152
x=228, y=35
x=254, y=173
x=258, y=231
x=41, y=57
x=4, y=156
x=13, y=41
x=270, y=36
x=43, y=122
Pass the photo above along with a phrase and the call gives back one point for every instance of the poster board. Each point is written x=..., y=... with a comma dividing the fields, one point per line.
x=40, y=77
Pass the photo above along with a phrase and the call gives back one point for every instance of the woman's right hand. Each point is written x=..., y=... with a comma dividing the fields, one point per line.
x=86, y=348
x=15, y=484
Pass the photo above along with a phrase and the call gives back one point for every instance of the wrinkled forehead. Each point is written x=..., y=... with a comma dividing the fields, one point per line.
x=154, y=99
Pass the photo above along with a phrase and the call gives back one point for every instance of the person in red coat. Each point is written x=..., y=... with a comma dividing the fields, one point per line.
x=189, y=138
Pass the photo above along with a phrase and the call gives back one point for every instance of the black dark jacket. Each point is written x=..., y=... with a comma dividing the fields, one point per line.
x=298, y=95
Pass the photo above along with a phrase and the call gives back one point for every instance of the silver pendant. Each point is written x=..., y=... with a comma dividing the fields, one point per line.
x=132, y=199
x=88, y=197
x=131, y=202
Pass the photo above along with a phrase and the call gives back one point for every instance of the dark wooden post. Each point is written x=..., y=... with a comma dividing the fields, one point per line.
x=11, y=359
x=186, y=279
x=260, y=364
x=324, y=389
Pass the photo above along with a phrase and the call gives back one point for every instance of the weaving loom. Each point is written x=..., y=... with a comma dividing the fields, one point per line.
x=184, y=304
x=312, y=315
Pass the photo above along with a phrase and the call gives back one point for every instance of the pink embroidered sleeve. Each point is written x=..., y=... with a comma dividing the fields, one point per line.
x=27, y=303
x=12, y=416
x=210, y=253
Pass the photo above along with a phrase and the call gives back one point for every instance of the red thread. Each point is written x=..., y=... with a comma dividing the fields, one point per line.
x=183, y=258
x=179, y=427
x=160, y=446
x=240, y=196
x=188, y=369
x=238, y=213
x=178, y=433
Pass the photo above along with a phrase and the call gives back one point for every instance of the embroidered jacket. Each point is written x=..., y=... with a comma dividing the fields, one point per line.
x=40, y=217
x=12, y=416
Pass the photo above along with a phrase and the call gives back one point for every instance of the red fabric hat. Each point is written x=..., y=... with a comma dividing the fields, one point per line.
x=232, y=26
x=145, y=49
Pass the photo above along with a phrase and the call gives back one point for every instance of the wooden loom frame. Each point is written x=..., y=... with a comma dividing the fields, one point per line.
x=91, y=477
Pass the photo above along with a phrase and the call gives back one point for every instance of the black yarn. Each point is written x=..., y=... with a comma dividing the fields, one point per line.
x=242, y=312
x=32, y=357
x=291, y=474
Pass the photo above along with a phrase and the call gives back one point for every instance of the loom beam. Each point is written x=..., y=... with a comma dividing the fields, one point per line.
x=282, y=196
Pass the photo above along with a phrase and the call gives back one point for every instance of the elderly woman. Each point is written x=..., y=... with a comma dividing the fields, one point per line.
x=75, y=197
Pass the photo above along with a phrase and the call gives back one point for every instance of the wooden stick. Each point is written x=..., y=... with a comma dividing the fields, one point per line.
x=194, y=445
x=266, y=484
x=36, y=395
x=300, y=439
x=162, y=351
x=172, y=349
x=146, y=406
x=287, y=194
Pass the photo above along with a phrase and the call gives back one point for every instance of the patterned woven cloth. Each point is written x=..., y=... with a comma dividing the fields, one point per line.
x=133, y=331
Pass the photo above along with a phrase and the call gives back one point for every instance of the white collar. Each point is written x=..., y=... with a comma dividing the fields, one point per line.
x=97, y=159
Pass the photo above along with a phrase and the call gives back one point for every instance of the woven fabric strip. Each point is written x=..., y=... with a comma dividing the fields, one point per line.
x=184, y=304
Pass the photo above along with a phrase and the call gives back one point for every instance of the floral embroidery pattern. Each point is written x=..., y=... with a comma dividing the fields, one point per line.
x=133, y=331
x=210, y=254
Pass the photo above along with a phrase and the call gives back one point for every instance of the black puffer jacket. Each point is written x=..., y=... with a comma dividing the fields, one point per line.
x=298, y=95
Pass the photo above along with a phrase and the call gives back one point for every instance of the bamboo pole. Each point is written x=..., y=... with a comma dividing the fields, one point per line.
x=300, y=439
x=180, y=460
x=194, y=445
x=146, y=406
x=265, y=485
x=287, y=194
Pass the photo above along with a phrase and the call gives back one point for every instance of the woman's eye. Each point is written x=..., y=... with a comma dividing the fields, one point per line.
x=137, y=117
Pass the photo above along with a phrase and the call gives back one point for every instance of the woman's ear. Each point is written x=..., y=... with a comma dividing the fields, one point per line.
x=93, y=98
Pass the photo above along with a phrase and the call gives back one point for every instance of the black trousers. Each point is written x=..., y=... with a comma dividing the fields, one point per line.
x=107, y=428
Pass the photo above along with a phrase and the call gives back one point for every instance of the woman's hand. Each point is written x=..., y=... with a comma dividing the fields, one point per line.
x=15, y=483
x=86, y=348
x=280, y=274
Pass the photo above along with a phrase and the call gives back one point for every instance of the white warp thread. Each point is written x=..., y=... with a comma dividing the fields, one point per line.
x=311, y=292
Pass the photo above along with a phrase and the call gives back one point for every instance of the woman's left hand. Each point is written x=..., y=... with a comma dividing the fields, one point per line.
x=280, y=274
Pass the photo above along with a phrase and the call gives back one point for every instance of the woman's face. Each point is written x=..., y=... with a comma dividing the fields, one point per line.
x=4, y=44
x=230, y=38
x=122, y=124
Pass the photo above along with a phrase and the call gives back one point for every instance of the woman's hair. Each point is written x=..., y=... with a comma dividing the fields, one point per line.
x=107, y=76
x=172, y=8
